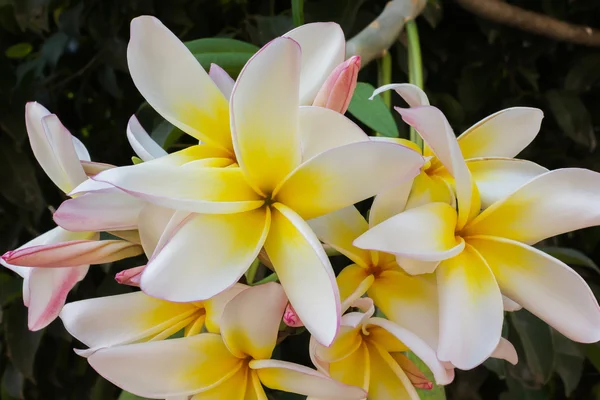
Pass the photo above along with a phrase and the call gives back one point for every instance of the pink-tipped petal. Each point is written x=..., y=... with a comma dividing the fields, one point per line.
x=131, y=276
x=338, y=89
x=222, y=79
x=72, y=253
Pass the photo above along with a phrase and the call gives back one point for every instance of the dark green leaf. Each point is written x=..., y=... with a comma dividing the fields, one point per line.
x=220, y=45
x=571, y=256
x=166, y=134
x=230, y=62
x=22, y=344
x=10, y=288
x=584, y=73
x=569, y=362
x=433, y=12
x=128, y=396
x=572, y=116
x=592, y=353
x=19, y=50
x=54, y=47
x=372, y=113
x=516, y=391
x=12, y=384
x=25, y=191
x=536, y=338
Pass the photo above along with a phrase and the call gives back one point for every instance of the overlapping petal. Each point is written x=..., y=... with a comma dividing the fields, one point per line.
x=502, y=134
x=174, y=367
x=424, y=233
x=250, y=322
x=471, y=310
x=174, y=83
x=323, y=48
x=282, y=375
x=101, y=210
x=345, y=175
x=544, y=285
x=122, y=319
x=264, y=114
x=141, y=143
x=222, y=79
x=210, y=251
x=553, y=203
x=304, y=272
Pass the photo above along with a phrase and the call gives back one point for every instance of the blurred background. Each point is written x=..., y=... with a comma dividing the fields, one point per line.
x=69, y=55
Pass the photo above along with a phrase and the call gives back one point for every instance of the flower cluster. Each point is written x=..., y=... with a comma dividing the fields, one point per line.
x=278, y=168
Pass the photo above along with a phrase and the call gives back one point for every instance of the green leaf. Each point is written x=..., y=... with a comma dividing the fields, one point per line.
x=22, y=344
x=136, y=160
x=571, y=256
x=229, y=54
x=19, y=50
x=437, y=392
x=536, y=338
x=592, y=353
x=372, y=113
x=129, y=396
x=12, y=384
x=220, y=45
x=584, y=73
x=166, y=134
x=569, y=362
x=572, y=116
x=517, y=391
x=10, y=288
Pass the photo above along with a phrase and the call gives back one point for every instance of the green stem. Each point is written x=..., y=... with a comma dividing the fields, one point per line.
x=415, y=68
x=251, y=273
x=298, y=12
x=384, y=76
x=270, y=278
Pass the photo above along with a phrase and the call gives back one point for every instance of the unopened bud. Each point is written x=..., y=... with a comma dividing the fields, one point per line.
x=130, y=276
x=338, y=89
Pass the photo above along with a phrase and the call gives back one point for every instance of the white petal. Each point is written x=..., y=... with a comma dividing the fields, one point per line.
x=496, y=178
x=322, y=129
x=222, y=79
x=323, y=48
x=471, y=310
x=543, y=285
x=503, y=134
x=506, y=351
x=424, y=233
x=206, y=255
x=305, y=273
x=345, y=175
x=556, y=202
x=264, y=114
x=152, y=224
x=412, y=94
x=102, y=210
x=141, y=143
x=174, y=83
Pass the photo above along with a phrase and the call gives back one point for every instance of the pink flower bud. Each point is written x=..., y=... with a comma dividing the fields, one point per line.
x=338, y=89
x=290, y=318
x=131, y=276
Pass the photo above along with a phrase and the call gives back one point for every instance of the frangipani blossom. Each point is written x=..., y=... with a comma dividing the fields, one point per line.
x=55, y=261
x=369, y=352
x=410, y=301
x=234, y=364
x=488, y=148
x=227, y=212
x=136, y=317
x=495, y=250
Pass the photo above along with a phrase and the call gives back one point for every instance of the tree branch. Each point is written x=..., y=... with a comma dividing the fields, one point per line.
x=507, y=14
x=379, y=36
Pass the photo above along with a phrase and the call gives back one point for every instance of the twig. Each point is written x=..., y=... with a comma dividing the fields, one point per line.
x=507, y=14
x=372, y=41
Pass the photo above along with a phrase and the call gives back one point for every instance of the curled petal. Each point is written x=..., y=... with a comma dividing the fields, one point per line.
x=131, y=276
x=141, y=143
x=338, y=89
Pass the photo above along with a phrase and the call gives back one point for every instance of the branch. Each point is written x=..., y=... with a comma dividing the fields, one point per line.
x=379, y=36
x=507, y=14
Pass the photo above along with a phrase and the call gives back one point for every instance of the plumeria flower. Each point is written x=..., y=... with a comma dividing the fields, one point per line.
x=60, y=258
x=410, y=301
x=174, y=83
x=136, y=317
x=265, y=198
x=488, y=148
x=491, y=252
x=233, y=365
x=369, y=352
